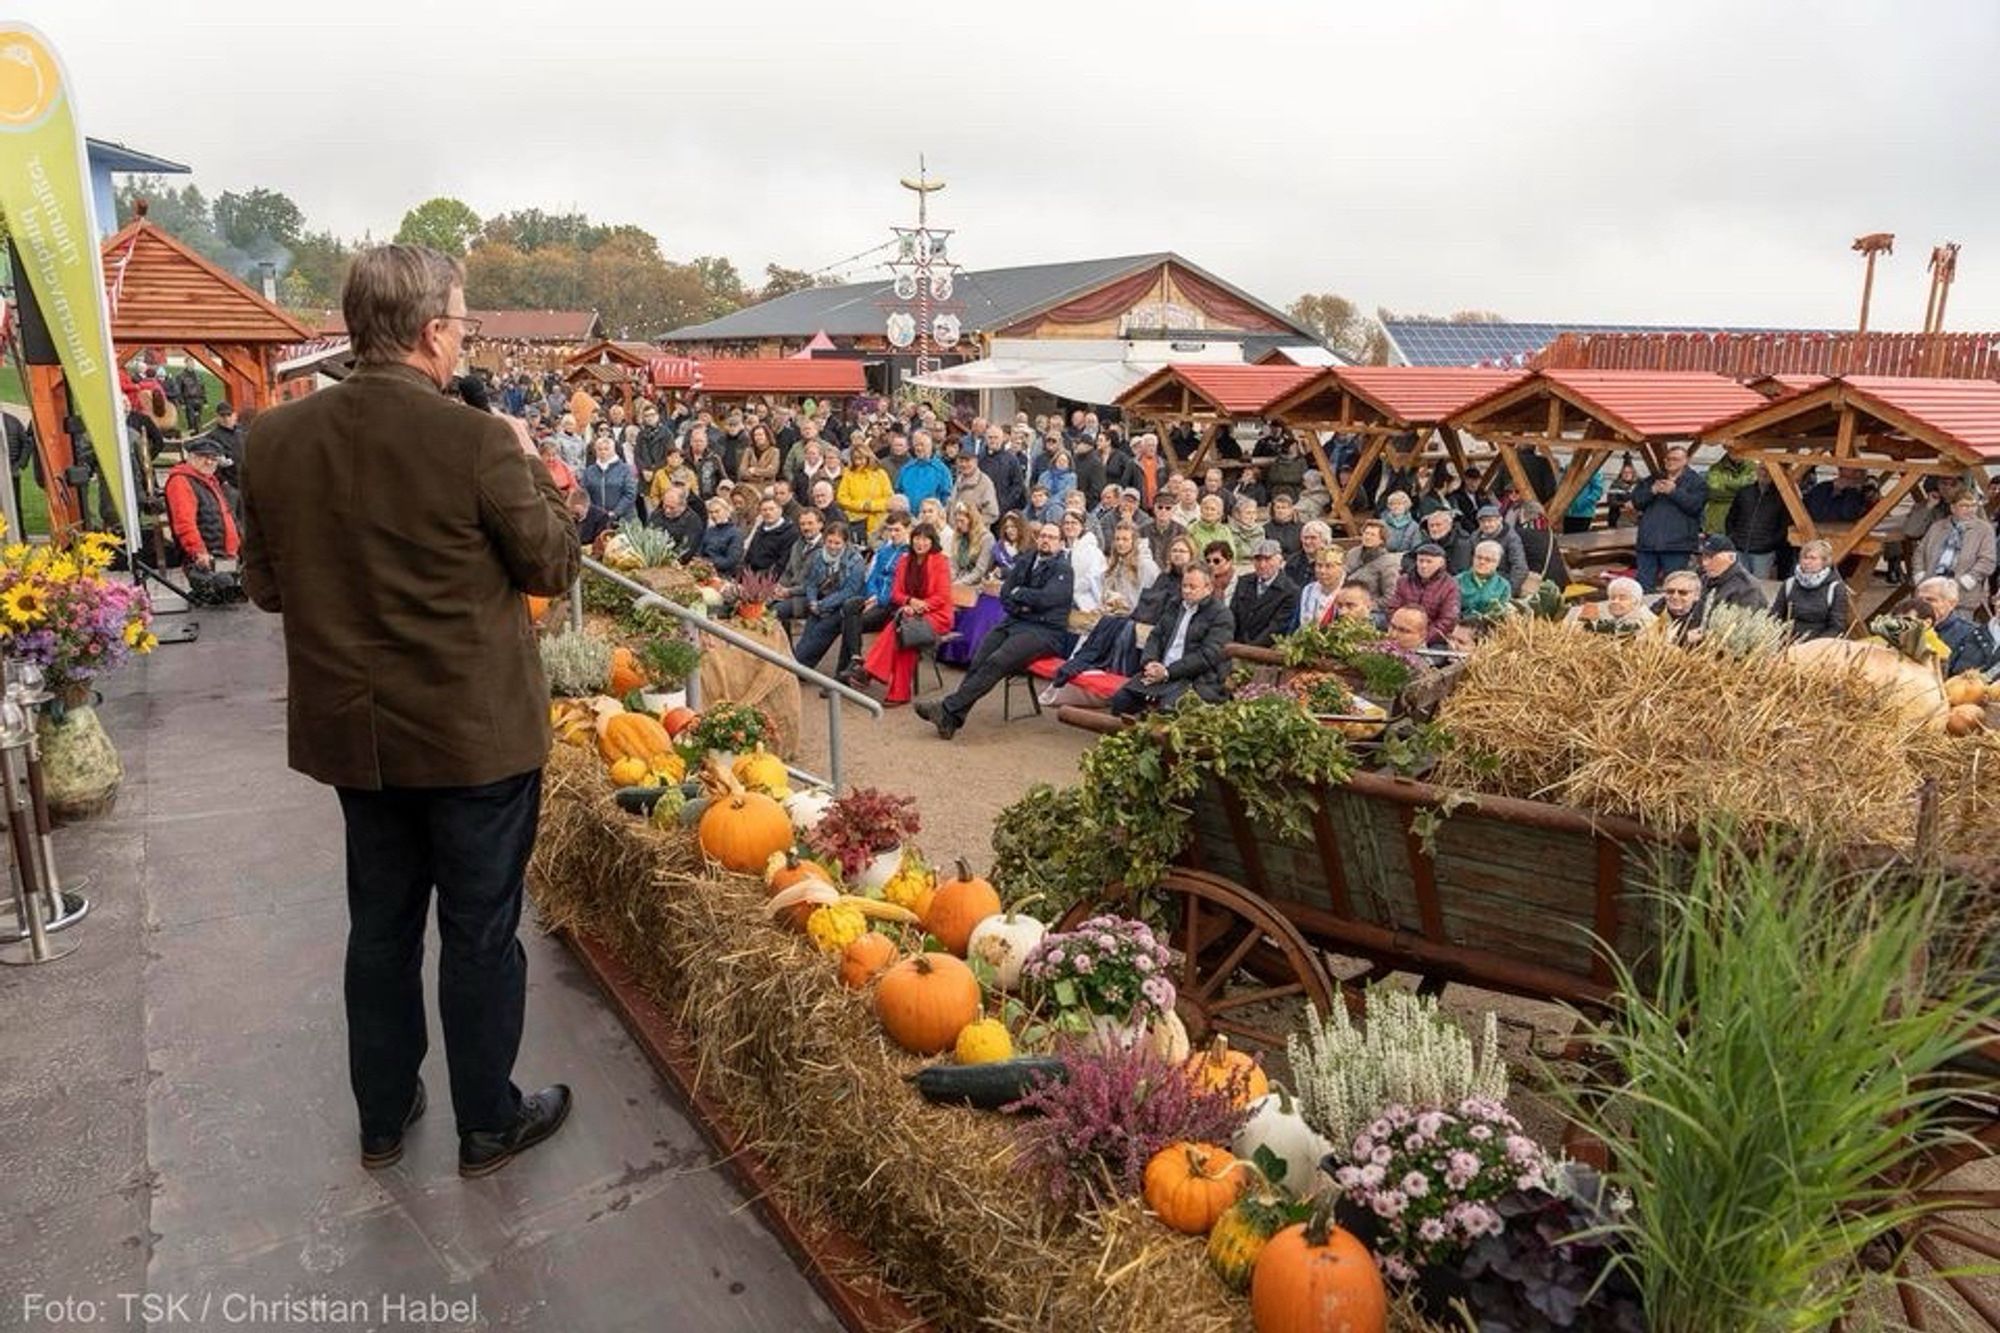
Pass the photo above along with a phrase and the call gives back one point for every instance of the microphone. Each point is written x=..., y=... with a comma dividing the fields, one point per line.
x=472, y=390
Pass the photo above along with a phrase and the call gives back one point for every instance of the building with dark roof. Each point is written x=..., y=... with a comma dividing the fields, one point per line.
x=1510, y=346
x=1067, y=329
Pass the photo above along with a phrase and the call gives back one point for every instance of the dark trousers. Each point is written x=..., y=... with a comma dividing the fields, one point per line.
x=1005, y=651
x=191, y=418
x=1656, y=565
x=472, y=845
x=854, y=622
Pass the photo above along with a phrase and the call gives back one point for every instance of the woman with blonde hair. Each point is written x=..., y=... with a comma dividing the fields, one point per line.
x=1128, y=570
x=1814, y=600
x=969, y=547
x=863, y=491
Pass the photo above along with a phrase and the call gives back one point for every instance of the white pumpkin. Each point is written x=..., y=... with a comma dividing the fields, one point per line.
x=1169, y=1037
x=881, y=868
x=808, y=807
x=1275, y=1123
x=1003, y=941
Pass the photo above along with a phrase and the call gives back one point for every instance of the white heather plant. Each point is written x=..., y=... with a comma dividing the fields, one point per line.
x=576, y=662
x=1409, y=1055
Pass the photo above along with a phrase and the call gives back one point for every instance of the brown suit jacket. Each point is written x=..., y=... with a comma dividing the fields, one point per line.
x=396, y=530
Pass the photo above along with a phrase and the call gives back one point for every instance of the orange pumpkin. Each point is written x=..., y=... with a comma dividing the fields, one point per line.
x=1219, y=1069
x=958, y=905
x=743, y=830
x=862, y=959
x=783, y=872
x=1312, y=1277
x=926, y=1001
x=677, y=720
x=626, y=673
x=1190, y=1185
x=631, y=736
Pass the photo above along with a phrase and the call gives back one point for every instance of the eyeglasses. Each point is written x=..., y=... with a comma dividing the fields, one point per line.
x=1679, y=592
x=1218, y=560
x=472, y=323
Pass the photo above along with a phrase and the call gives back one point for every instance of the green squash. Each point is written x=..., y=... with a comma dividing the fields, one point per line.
x=1239, y=1236
x=691, y=812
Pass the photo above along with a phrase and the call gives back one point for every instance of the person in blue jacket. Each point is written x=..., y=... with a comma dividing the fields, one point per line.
x=875, y=607
x=1670, y=512
x=833, y=580
x=924, y=476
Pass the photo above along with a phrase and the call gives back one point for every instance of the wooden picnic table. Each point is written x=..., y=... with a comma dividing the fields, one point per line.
x=1599, y=546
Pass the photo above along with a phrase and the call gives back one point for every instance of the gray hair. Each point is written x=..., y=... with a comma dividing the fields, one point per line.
x=1325, y=532
x=1493, y=549
x=1625, y=588
x=1942, y=588
x=391, y=292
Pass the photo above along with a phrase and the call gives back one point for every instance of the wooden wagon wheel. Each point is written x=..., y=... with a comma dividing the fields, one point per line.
x=1222, y=933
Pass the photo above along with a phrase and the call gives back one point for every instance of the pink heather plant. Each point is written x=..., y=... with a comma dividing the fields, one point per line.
x=1431, y=1178
x=1095, y=1132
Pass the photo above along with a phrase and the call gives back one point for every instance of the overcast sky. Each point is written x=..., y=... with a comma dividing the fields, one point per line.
x=1653, y=162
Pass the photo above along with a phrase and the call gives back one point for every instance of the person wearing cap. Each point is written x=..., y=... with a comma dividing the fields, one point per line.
x=1266, y=602
x=1127, y=514
x=229, y=433
x=1671, y=508
x=973, y=488
x=1440, y=529
x=1430, y=588
x=203, y=523
x=1493, y=527
x=1724, y=580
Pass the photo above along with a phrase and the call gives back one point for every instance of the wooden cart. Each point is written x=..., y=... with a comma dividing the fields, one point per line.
x=1503, y=894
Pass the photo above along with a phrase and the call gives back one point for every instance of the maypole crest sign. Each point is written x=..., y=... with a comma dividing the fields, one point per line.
x=48, y=216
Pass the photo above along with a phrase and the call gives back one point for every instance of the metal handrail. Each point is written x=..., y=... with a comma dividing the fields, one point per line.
x=834, y=690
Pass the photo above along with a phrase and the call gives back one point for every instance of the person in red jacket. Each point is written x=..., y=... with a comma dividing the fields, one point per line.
x=203, y=525
x=921, y=592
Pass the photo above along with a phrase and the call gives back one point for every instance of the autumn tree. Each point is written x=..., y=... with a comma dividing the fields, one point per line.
x=182, y=212
x=252, y=220
x=1341, y=325
x=444, y=224
x=782, y=281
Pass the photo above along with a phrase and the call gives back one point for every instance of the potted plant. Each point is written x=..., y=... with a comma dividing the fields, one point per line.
x=753, y=595
x=1107, y=979
x=863, y=833
x=668, y=660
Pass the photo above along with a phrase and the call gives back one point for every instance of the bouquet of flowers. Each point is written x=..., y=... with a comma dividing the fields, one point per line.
x=1431, y=1178
x=1109, y=967
x=60, y=610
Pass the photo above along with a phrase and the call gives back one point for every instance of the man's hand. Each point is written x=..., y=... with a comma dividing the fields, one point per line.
x=201, y=562
x=1662, y=486
x=1153, y=673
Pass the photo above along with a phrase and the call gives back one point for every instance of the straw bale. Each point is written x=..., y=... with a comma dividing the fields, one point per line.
x=1644, y=728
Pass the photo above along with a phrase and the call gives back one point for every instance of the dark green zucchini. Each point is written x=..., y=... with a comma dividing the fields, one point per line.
x=639, y=800
x=989, y=1086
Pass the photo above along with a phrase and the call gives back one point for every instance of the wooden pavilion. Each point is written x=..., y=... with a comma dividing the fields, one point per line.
x=1899, y=430
x=1398, y=411
x=1212, y=394
x=1590, y=414
x=163, y=294
x=610, y=365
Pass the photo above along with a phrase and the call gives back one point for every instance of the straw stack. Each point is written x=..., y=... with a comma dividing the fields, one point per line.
x=1641, y=727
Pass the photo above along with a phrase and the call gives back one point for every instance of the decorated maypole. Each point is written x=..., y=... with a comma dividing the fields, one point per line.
x=923, y=315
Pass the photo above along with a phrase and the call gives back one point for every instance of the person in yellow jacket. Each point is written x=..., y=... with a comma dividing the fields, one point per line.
x=864, y=490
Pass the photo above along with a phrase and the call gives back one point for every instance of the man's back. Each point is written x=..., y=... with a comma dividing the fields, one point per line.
x=396, y=529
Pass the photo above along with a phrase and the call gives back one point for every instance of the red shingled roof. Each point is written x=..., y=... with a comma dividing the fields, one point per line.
x=1227, y=388
x=1639, y=404
x=741, y=375
x=1956, y=417
x=1422, y=395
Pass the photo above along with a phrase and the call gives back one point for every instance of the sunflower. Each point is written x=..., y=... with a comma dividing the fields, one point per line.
x=23, y=604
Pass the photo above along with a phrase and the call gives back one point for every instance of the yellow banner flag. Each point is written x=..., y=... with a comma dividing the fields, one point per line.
x=47, y=206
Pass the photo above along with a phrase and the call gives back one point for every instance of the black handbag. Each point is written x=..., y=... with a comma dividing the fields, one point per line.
x=916, y=632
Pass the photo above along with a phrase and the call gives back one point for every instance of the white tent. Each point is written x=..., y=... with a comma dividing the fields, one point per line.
x=1083, y=370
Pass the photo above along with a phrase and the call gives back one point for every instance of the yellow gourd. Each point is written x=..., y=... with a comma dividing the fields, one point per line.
x=760, y=770
x=984, y=1042
x=835, y=927
x=630, y=771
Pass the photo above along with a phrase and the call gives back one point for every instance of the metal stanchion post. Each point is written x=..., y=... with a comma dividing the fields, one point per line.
x=65, y=907
x=16, y=730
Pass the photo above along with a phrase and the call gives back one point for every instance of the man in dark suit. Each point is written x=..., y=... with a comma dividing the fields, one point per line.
x=396, y=530
x=1184, y=651
x=1266, y=603
x=1036, y=596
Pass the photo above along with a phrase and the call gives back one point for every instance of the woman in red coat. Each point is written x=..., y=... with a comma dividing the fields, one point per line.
x=922, y=591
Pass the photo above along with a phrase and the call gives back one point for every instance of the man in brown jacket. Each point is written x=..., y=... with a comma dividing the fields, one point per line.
x=395, y=529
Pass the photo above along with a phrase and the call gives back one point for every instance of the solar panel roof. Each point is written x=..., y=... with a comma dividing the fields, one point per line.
x=1506, y=345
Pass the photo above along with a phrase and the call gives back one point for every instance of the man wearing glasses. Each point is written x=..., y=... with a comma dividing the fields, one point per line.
x=416, y=690
x=1680, y=607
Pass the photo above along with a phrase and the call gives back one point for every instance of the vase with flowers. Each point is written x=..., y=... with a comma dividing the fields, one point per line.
x=62, y=611
x=1106, y=980
x=864, y=833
